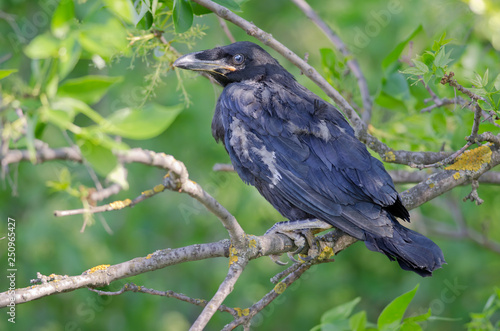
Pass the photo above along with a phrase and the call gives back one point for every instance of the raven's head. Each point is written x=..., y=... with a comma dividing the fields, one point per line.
x=237, y=62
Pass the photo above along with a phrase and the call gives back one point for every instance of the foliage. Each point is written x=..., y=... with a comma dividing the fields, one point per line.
x=484, y=320
x=340, y=318
x=97, y=74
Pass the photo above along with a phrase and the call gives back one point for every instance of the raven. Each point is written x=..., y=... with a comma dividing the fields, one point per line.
x=302, y=155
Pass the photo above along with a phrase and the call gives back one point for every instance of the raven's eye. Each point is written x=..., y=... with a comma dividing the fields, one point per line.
x=238, y=59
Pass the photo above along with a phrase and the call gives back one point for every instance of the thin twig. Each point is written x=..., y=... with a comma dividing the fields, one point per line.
x=473, y=196
x=351, y=63
x=131, y=287
x=448, y=79
x=226, y=30
x=444, y=161
x=106, y=192
x=442, y=102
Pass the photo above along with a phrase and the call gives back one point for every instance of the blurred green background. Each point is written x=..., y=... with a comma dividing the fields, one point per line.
x=95, y=43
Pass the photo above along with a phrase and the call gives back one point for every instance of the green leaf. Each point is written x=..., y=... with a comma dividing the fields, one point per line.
x=441, y=42
x=146, y=21
x=485, y=78
x=64, y=13
x=396, y=86
x=479, y=91
x=44, y=46
x=477, y=80
x=72, y=107
x=182, y=15
x=393, y=56
x=418, y=318
x=229, y=4
x=199, y=10
x=496, y=83
x=442, y=58
x=412, y=326
x=89, y=89
x=68, y=56
x=419, y=69
x=6, y=72
x=104, y=40
x=391, y=316
x=144, y=123
x=123, y=9
x=439, y=73
x=428, y=58
x=421, y=66
x=339, y=313
x=357, y=322
x=102, y=159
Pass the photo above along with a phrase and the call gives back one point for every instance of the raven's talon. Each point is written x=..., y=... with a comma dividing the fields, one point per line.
x=306, y=258
x=290, y=256
x=276, y=259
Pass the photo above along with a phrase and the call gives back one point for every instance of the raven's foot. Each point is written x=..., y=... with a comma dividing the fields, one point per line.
x=301, y=232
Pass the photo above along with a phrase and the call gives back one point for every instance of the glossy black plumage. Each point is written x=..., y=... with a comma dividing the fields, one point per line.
x=302, y=155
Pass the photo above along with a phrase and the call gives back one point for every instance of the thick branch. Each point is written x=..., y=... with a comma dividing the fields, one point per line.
x=157, y=260
x=443, y=181
x=42, y=155
x=407, y=177
x=261, y=246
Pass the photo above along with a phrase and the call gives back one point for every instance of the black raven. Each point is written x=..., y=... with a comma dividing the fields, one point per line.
x=302, y=155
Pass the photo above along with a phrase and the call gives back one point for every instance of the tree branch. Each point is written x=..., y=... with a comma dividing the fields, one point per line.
x=131, y=287
x=351, y=63
x=100, y=278
x=266, y=245
x=465, y=170
x=225, y=288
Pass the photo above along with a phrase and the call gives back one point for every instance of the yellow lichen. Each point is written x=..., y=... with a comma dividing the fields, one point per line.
x=96, y=268
x=120, y=204
x=389, y=156
x=148, y=193
x=242, y=312
x=326, y=253
x=149, y=256
x=252, y=243
x=302, y=258
x=431, y=185
x=280, y=288
x=233, y=255
x=472, y=160
x=159, y=188
x=456, y=175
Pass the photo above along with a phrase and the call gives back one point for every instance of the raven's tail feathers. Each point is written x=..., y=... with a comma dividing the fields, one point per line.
x=413, y=251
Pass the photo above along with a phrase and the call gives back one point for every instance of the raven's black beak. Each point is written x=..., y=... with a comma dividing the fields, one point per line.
x=192, y=61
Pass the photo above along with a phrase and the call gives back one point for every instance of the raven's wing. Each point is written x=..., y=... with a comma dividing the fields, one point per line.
x=300, y=152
